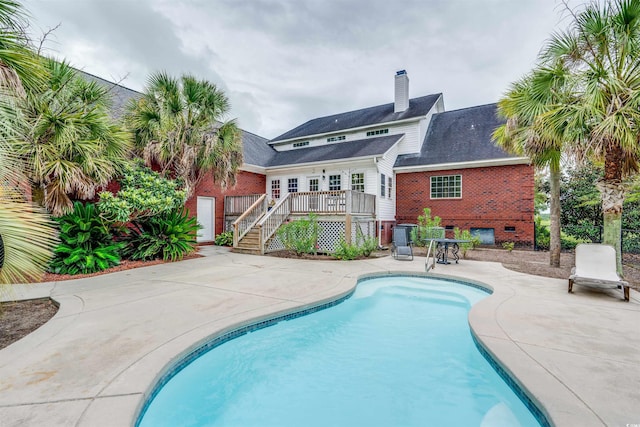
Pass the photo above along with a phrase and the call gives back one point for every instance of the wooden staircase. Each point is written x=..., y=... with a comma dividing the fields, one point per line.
x=250, y=243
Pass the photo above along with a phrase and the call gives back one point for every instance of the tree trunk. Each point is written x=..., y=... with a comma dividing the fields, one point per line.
x=555, y=242
x=612, y=194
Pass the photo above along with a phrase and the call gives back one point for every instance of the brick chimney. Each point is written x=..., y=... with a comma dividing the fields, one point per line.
x=402, y=92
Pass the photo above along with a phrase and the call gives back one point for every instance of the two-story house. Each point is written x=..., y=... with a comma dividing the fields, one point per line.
x=368, y=169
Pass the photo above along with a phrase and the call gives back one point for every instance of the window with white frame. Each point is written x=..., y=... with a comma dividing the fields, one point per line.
x=383, y=182
x=314, y=184
x=336, y=138
x=335, y=183
x=389, y=186
x=357, y=182
x=300, y=144
x=377, y=132
x=292, y=185
x=275, y=189
x=446, y=187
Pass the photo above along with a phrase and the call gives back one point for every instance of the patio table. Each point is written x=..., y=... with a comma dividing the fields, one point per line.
x=442, y=249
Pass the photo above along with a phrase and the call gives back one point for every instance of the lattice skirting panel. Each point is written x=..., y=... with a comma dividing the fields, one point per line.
x=330, y=234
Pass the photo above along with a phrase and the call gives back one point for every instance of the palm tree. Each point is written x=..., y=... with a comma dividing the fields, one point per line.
x=601, y=51
x=525, y=105
x=19, y=65
x=27, y=235
x=178, y=128
x=71, y=145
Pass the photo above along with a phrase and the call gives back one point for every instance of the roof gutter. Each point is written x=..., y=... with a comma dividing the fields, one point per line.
x=463, y=165
x=253, y=168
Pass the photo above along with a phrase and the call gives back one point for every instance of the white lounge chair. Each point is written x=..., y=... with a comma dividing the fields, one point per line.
x=596, y=268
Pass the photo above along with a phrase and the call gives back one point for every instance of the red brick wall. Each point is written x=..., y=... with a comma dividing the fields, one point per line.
x=386, y=234
x=246, y=183
x=492, y=197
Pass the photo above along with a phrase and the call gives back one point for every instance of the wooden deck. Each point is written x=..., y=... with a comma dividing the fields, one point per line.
x=257, y=225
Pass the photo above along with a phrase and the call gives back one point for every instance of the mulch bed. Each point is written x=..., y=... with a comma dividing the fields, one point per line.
x=18, y=319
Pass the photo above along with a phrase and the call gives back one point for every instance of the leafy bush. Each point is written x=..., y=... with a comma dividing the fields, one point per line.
x=224, y=239
x=363, y=246
x=86, y=245
x=543, y=238
x=367, y=245
x=427, y=228
x=300, y=236
x=630, y=241
x=143, y=193
x=346, y=251
x=466, y=235
x=169, y=236
x=508, y=246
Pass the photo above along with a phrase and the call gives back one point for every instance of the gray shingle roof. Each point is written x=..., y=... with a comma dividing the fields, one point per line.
x=458, y=136
x=120, y=95
x=256, y=150
x=364, y=117
x=344, y=150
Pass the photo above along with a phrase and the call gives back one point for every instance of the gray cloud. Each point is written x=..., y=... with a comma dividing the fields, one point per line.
x=283, y=62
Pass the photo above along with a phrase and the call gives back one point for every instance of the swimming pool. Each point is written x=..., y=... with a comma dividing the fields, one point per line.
x=397, y=352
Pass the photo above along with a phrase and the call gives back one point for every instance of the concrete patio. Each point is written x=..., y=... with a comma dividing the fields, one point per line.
x=95, y=362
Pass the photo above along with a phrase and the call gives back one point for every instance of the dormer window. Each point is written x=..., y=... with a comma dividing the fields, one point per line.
x=336, y=138
x=300, y=144
x=378, y=132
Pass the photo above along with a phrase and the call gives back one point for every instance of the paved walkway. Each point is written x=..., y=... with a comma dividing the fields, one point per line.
x=95, y=361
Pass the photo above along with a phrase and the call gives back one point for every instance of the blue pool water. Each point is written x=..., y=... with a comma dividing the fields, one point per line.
x=397, y=353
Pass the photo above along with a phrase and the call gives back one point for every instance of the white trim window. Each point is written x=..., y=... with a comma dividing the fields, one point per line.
x=292, y=185
x=377, y=132
x=275, y=189
x=446, y=187
x=314, y=184
x=383, y=183
x=390, y=186
x=335, y=182
x=357, y=182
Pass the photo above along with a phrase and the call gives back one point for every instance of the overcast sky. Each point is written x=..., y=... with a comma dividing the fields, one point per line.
x=283, y=62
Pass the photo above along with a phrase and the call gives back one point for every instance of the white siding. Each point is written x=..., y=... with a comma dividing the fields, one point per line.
x=345, y=170
x=386, y=207
x=414, y=135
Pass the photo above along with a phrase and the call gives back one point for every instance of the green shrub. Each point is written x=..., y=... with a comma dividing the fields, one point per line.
x=366, y=244
x=301, y=236
x=346, y=251
x=427, y=228
x=474, y=241
x=224, y=239
x=543, y=238
x=143, y=193
x=86, y=245
x=508, y=246
x=170, y=236
x=570, y=242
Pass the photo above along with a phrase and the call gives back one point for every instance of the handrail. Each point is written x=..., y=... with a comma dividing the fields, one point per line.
x=248, y=219
x=273, y=220
x=433, y=264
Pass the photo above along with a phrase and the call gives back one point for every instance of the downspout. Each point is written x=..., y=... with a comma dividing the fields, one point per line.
x=378, y=221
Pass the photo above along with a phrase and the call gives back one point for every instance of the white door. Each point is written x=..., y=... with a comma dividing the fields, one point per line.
x=206, y=218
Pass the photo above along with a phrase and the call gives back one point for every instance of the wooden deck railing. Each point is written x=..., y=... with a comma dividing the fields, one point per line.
x=249, y=218
x=327, y=202
x=270, y=223
x=237, y=205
